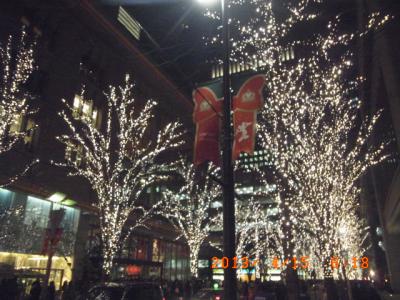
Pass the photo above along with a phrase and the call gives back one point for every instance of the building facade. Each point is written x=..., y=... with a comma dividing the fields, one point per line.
x=378, y=63
x=80, y=43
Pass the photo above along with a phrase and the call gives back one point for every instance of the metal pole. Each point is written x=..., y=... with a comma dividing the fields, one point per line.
x=49, y=252
x=228, y=188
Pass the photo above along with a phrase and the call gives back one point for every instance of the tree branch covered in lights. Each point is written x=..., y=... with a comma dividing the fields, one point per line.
x=16, y=66
x=119, y=162
x=257, y=235
x=190, y=210
x=311, y=123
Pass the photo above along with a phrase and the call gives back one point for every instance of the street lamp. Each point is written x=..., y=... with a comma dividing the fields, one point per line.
x=227, y=167
x=207, y=2
x=228, y=188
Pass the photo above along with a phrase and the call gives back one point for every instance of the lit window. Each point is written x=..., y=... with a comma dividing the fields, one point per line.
x=84, y=109
x=22, y=124
x=74, y=153
x=77, y=102
x=30, y=125
x=17, y=124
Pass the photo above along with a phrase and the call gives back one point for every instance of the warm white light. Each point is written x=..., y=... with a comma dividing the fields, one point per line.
x=57, y=197
x=343, y=230
x=307, y=125
x=16, y=67
x=119, y=164
x=207, y=2
x=190, y=215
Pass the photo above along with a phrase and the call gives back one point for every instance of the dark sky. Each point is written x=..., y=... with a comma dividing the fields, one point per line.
x=174, y=38
x=174, y=31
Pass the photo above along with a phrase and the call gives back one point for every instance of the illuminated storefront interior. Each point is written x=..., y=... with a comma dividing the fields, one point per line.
x=31, y=266
x=23, y=222
x=158, y=257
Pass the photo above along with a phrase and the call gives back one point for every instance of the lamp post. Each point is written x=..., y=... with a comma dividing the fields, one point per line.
x=228, y=180
x=228, y=188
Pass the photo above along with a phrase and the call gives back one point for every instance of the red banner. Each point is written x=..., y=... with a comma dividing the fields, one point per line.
x=248, y=100
x=51, y=240
x=206, y=116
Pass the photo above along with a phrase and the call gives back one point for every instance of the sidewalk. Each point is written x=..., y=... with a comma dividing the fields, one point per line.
x=387, y=296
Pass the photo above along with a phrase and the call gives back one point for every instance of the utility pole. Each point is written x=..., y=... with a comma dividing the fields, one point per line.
x=228, y=188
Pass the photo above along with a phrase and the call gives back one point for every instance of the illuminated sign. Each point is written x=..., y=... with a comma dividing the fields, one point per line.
x=133, y=270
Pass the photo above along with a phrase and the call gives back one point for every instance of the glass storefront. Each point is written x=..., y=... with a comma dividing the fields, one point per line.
x=149, y=257
x=23, y=222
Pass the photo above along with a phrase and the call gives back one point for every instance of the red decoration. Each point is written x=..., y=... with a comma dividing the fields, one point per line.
x=248, y=100
x=51, y=239
x=206, y=116
x=133, y=270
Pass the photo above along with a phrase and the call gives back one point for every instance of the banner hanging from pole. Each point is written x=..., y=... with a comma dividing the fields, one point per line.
x=207, y=117
x=247, y=100
x=246, y=103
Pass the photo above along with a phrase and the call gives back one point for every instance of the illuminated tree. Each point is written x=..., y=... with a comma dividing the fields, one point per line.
x=311, y=123
x=190, y=210
x=313, y=126
x=119, y=162
x=258, y=234
x=16, y=66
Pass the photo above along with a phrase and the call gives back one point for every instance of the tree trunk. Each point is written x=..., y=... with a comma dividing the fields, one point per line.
x=110, y=245
x=194, y=260
x=329, y=283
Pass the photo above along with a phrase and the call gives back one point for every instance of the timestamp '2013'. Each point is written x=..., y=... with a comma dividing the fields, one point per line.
x=235, y=263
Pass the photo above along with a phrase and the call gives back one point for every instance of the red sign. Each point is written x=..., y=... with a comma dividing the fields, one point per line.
x=206, y=116
x=133, y=270
x=246, y=103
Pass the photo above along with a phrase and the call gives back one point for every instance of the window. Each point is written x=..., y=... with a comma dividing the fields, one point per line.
x=71, y=217
x=17, y=124
x=130, y=23
x=23, y=124
x=84, y=109
x=74, y=153
x=161, y=256
x=142, y=249
x=288, y=54
x=30, y=135
x=156, y=249
x=37, y=212
x=6, y=200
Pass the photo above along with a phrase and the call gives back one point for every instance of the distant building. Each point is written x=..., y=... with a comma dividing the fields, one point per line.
x=378, y=63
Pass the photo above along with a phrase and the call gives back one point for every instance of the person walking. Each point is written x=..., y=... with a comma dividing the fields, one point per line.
x=245, y=291
x=35, y=291
x=50, y=291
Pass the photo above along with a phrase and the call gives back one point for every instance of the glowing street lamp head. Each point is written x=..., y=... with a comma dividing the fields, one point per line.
x=207, y=2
